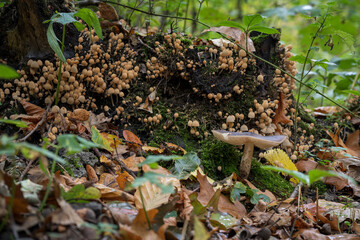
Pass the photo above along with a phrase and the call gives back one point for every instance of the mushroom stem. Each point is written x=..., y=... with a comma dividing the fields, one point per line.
x=245, y=164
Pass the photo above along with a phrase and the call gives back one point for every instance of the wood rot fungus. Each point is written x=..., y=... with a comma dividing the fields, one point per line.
x=249, y=140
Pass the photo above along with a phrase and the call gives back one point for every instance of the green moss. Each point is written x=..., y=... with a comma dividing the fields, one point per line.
x=215, y=153
x=320, y=185
x=269, y=180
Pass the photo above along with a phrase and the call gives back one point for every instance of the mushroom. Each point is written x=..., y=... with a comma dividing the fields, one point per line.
x=249, y=140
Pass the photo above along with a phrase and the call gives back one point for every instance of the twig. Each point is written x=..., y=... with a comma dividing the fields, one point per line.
x=296, y=190
x=26, y=170
x=43, y=119
x=183, y=232
x=122, y=164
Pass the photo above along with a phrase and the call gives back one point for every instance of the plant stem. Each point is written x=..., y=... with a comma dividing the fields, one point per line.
x=302, y=77
x=186, y=14
x=51, y=177
x=144, y=207
x=60, y=67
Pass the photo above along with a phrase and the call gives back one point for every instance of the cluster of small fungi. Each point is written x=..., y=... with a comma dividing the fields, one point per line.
x=109, y=68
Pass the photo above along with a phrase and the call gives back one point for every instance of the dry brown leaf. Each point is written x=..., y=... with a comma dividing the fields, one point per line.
x=147, y=105
x=306, y=165
x=133, y=161
x=174, y=147
x=310, y=234
x=112, y=194
x=107, y=12
x=153, y=197
x=66, y=215
x=352, y=143
x=105, y=160
x=32, y=109
x=236, y=34
x=108, y=179
x=129, y=136
x=91, y=174
x=280, y=116
x=329, y=110
x=99, y=121
x=153, y=150
x=123, y=179
x=206, y=192
x=267, y=192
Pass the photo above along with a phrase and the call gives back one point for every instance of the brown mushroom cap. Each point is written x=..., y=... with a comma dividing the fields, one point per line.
x=236, y=138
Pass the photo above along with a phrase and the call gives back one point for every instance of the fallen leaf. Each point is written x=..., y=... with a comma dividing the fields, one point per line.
x=200, y=231
x=267, y=192
x=306, y=165
x=32, y=109
x=91, y=174
x=107, y=12
x=236, y=34
x=280, y=116
x=112, y=194
x=309, y=234
x=129, y=136
x=123, y=179
x=133, y=161
x=66, y=215
x=235, y=209
x=147, y=105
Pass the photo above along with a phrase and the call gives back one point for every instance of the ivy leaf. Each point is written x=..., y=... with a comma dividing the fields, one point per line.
x=252, y=20
x=185, y=165
x=7, y=72
x=236, y=191
x=263, y=29
x=63, y=18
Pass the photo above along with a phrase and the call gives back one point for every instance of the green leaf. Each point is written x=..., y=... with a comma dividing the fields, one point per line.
x=91, y=20
x=252, y=20
x=300, y=59
x=7, y=72
x=78, y=194
x=223, y=220
x=357, y=93
x=200, y=231
x=186, y=164
x=236, y=191
x=263, y=29
x=44, y=152
x=302, y=177
x=317, y=174
x=17, y=123
x=54, y=42
x=69, y=142
x=87, y=144
x=98, y=139
x=156, y=158
x=230, y=24
x=63, y=18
